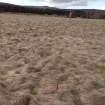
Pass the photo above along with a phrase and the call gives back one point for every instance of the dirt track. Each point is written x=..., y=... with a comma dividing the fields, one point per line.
x=51, y=60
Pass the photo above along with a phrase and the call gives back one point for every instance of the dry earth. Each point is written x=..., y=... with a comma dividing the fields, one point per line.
x=47, y=60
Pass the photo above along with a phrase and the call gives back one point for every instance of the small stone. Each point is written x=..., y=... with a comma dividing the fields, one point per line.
x=98, y=100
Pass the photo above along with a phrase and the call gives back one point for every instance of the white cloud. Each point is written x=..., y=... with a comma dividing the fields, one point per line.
x=81, y=4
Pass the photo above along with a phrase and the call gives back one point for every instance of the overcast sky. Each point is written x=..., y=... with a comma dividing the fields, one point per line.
x=89, y=4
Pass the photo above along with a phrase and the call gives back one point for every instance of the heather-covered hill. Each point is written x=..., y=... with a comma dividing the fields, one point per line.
x=83, y=13
x=5, y=7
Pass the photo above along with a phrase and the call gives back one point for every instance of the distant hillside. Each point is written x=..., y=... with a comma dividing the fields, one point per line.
x=5, y=7
x=83, y=13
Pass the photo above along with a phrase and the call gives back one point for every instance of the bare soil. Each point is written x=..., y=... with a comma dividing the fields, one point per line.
x=48, y=60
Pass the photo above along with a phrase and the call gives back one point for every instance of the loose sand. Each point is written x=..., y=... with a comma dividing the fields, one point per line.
x=47, y=60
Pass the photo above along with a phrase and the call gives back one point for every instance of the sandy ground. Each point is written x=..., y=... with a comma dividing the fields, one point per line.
x=47, y=60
